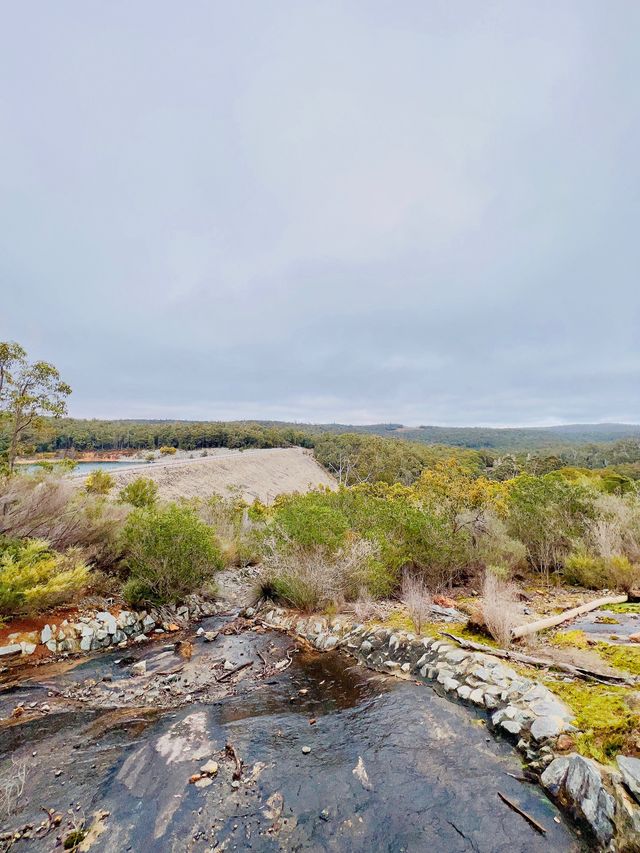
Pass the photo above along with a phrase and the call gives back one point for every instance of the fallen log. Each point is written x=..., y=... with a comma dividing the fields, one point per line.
x=552, y=621
x=543, y=663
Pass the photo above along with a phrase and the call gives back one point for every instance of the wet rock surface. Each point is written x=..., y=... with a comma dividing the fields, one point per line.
x=204, y=764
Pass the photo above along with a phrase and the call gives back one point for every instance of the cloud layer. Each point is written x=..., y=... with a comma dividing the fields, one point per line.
x=418, y=212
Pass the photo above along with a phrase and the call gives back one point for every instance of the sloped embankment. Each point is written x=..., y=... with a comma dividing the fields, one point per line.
x=261, y=474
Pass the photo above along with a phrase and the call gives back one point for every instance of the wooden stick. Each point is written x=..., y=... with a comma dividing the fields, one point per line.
x=552, y=621
x=542, y=663
x=534, y=823
x=233, y=671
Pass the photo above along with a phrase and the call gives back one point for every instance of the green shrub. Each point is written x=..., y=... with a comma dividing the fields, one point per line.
x=601, y=572
x=170, y=553
x=141, y=492
x=99, y=482
x=167, y=451
x=34, y=577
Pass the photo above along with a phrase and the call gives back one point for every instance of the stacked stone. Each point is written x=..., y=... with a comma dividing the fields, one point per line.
x=522, y=709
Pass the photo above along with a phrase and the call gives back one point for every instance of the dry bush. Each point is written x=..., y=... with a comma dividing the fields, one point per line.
x=494, y=546
x=364, y=607
x=499, y=608
x=312, y=577
x=416, y=598
x=52, y=508
x=616, y=529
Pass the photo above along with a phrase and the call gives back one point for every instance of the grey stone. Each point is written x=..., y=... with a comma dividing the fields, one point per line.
x=464, y=691
x=477, y=696
x=577, y=780
x=546, y=727
x=630, y=769
x=366, y=647
x=85, y=644
x=511, y=726
x=450, y=684
x=139, y=668
x=330, y=643
x=52, y=645
x=27, y=648
x=10, y=650
x=46, y=634
x=108, y=620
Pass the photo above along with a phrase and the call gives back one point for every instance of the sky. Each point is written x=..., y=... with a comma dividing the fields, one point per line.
x=421, y=212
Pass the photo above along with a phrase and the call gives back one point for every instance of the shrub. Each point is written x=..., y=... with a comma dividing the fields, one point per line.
x=613, y=572
x=548, y=515
x=99, y=482
x=237, y=533
x=170, y=553
x=417, y=599
x=49, y=507
x=499, y=609
x=34, y=577
x=313, y=578
x=141, y=492
x=167, y=451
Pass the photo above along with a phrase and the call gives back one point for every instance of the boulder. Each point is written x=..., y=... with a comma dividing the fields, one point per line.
x=46, y=634
x=109, y=621
x=630, y=769
x=577, y=781
x=10, y=650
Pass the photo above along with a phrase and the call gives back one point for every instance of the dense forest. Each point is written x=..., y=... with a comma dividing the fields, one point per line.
x=355, y=454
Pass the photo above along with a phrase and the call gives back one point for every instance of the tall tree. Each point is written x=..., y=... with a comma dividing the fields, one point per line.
x=28, y=391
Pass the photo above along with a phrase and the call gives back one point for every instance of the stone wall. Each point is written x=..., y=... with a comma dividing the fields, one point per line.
x=517, y=707
x=93, y=631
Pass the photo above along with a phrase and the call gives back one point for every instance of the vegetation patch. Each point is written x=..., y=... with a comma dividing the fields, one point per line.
x=608, y=718
x=569, y=639
x=625, y=658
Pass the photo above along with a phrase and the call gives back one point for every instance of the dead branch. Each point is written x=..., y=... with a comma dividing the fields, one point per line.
x=543, y=663
x=552, y=621
x=231, y=672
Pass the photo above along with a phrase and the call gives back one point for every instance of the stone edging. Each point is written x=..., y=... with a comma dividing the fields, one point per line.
x=523, y=710
x=91, y=632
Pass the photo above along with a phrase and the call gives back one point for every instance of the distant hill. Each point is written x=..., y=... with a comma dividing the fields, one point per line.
x=508, y=438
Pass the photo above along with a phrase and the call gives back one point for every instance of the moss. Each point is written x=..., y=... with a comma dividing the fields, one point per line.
x=622, y=608
x=74, y=838
x=572, y=639
x=607, y=620
x=624, y=658
x=459, y=629
x=607, y=722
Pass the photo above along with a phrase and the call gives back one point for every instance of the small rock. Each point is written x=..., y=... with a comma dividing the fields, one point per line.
x=210, y=768
x=634, y=638
x=200, y=631
x=630, y=769
x=139, y=668
x=306, y=750
x=565, y=743
x=203, y=783
x=228, y=666
x=210, y=636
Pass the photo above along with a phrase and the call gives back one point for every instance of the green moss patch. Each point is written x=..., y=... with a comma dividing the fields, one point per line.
x=569, y=639
x=608, y=723
x=625, y=658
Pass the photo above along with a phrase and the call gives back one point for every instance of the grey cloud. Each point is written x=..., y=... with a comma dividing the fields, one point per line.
x=326, y=211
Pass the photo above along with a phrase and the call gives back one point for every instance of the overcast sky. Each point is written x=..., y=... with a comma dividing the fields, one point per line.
x=425, y=212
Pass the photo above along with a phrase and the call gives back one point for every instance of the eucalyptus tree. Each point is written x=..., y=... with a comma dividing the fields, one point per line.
x=29, y=391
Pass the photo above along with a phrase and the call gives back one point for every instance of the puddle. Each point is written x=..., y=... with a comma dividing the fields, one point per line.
x=391, y=766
